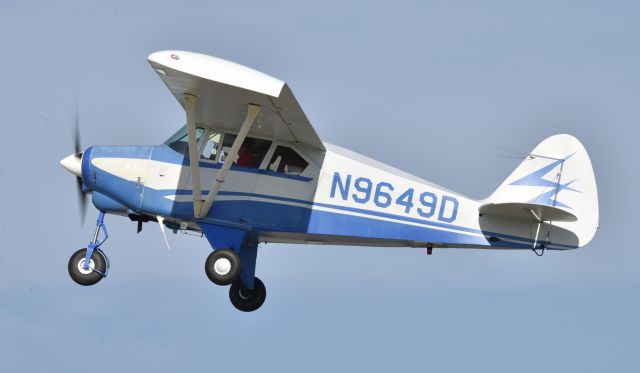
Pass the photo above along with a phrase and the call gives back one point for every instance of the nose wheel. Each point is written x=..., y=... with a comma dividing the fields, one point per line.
x=89, y=266
x=95, y=271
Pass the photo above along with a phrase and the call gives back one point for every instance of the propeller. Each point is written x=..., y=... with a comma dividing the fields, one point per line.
x=82, y=196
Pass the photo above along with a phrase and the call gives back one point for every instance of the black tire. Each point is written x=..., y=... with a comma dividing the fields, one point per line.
x=83, y=277
x=245, y=299
x=223, y=266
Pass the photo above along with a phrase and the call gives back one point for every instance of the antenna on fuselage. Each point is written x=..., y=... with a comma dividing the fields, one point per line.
x=164, y=234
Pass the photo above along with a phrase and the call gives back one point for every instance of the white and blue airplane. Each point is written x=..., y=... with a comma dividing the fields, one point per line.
x=248, y=167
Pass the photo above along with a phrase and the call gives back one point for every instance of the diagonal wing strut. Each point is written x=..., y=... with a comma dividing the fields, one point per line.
x=194, y=158
x=252, y=114
x=201, y=208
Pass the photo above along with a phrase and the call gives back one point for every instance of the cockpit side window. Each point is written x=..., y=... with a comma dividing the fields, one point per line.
x=251, y=153
x=287, y=160
x=180, y=140
x=210, y=150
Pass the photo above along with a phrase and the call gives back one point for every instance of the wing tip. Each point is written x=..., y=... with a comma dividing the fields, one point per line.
x=218, y=70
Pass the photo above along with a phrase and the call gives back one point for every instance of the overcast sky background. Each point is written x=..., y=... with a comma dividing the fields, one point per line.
x=431, y=87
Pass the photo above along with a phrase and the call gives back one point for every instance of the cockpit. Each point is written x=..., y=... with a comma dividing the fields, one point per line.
x=214, y=145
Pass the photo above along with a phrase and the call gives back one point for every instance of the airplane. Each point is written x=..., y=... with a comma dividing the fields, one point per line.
x=249, y=168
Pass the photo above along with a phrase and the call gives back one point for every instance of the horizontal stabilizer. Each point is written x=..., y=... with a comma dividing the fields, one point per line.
x=528, y=211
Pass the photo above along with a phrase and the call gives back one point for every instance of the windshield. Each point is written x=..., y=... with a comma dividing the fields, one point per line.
x=180, y=140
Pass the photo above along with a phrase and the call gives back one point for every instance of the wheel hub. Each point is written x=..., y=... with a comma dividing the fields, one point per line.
x=87, y=271
x=245, y=294
x=222, y=266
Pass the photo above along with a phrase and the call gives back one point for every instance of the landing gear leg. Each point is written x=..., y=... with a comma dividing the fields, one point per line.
x=89, y=266
x=235, y=265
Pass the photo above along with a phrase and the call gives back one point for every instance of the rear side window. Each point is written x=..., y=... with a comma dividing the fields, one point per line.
x=251, y=152
x=286, y=160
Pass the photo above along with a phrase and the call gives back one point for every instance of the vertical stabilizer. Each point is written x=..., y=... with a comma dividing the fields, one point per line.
x=556, y=173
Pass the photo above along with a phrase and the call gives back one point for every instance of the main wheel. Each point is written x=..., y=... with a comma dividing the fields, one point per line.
x=223, y=266
x=87, y=277
x=247, y=300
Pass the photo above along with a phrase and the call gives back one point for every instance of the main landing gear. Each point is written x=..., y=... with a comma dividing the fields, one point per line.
x=234, y=263
x=224, y=267
x=89, y=266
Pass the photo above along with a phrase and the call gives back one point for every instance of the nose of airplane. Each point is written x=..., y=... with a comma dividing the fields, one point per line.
x=73, y=164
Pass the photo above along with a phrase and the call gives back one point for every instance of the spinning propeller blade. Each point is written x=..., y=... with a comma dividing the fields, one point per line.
x=76, y=136
x=82, y=199
x=77, y=151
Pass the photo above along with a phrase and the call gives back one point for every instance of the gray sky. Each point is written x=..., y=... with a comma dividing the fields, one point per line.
x=428, y=87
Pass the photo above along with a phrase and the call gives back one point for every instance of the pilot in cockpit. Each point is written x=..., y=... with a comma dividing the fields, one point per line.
x=245, y=155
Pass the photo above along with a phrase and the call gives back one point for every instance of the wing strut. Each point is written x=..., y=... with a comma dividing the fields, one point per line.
x=194, y=157
x=543, y=246
x=252, y=114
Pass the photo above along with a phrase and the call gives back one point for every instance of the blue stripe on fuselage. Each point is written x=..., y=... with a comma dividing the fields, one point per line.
x=360, y=211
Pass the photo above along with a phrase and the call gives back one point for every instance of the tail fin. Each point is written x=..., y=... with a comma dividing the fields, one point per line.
x=557, y=173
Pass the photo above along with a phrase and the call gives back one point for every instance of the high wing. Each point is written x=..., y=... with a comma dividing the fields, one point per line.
x=224, y=89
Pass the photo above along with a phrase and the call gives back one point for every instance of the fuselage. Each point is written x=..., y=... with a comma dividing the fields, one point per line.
x=341, y=197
